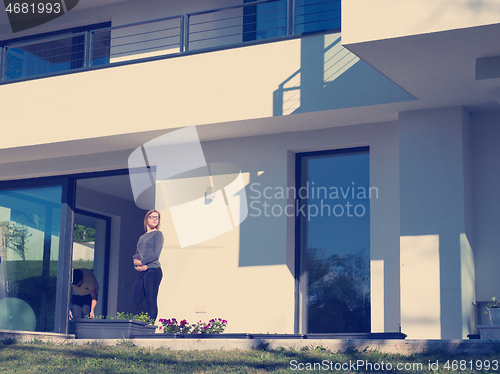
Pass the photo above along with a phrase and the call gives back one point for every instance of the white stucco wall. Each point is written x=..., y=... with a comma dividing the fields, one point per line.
x=247, y=275
x=229, y=85
x=252, y=270
x=442, y=189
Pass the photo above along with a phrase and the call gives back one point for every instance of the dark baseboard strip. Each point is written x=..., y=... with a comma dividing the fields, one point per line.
x=344, y=336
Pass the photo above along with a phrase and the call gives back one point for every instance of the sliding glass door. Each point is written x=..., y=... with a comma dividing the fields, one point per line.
x=30, y=222
x=43, y=237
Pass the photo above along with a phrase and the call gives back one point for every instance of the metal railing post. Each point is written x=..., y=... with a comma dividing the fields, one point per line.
x=86, y=49
x=2, y=64
x=186, y=32
x=91, y=46
x=181, y=33
x=288, y=17
x=292, y=16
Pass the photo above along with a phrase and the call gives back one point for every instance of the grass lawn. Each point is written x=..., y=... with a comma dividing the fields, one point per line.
x=37, y=357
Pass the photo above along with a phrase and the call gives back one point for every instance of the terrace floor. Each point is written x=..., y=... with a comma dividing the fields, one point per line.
x=401, y=346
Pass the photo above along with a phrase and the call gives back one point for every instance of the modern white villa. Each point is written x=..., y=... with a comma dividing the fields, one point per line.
x=351, y=150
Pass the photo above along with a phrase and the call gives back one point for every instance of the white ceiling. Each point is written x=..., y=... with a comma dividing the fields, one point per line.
x=438, y=69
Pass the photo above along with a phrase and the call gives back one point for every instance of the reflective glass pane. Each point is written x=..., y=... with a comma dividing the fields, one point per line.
x=45, y=57
x=29, y=249
x=317, y=15
x=337, y=242
x=271, y=19
x=101, y=47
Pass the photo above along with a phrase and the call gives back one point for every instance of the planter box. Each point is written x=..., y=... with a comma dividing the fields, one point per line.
x=494, y=314
x=489, y=332
x=111, y=328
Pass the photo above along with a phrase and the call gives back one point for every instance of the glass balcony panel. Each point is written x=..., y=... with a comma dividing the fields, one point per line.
x=316, y=15
x=45, y=57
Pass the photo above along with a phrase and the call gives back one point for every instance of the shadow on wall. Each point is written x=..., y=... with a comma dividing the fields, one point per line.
x=331, y=77
x=261, y=239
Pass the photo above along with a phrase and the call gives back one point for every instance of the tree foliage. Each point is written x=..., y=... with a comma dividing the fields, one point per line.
x=83, y=234
x=338, y=293
x=17, y=236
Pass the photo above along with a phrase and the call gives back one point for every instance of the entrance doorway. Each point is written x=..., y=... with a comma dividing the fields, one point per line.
x=91, y=251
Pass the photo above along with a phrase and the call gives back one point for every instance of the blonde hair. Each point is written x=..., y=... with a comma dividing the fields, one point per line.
x=146, y=219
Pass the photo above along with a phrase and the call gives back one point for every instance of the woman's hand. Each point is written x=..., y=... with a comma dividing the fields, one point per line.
x=141, y=268
x=137, y=262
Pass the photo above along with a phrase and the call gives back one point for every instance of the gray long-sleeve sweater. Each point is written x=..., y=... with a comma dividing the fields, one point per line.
x=149, y=248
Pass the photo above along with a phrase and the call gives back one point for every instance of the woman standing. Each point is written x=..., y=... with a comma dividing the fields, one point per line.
x=146, y=263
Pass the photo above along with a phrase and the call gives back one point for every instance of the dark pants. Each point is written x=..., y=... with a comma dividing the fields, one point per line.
x=146, y=287
x=81, y=305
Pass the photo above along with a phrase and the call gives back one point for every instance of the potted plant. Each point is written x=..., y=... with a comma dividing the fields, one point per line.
x=211, y=329
x=493, y=308
x=123, y=326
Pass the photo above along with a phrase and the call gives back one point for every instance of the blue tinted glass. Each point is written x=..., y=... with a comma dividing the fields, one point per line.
x=316, y=15
x=337, y=253
x=271, y=20
x=45, y=57
x=29, y=250
x=101, y=47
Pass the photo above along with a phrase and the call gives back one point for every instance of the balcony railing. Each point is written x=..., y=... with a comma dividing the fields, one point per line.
x=208, y=30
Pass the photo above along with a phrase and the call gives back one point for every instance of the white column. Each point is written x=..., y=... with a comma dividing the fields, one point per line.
x=437, y=285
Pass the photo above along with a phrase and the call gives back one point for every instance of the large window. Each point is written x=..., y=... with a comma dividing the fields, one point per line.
x=334, y=241
x=30, y=221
